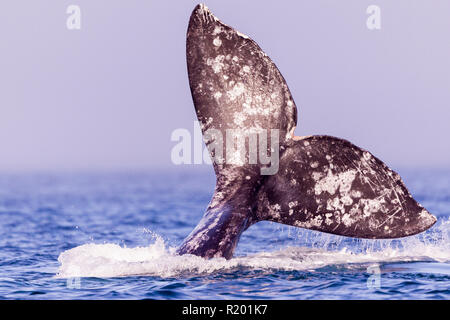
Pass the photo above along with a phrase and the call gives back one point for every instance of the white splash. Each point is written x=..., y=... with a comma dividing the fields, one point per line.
x=111, y=260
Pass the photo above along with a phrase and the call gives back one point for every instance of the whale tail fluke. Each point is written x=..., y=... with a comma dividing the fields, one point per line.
x=330, y=185
x=319, y=182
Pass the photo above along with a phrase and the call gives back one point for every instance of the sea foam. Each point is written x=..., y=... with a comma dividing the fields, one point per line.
x=159, y=259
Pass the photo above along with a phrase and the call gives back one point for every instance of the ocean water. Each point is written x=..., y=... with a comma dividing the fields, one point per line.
x=112, y=236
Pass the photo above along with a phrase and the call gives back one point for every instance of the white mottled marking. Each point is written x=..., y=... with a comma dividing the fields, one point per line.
x=331, y=183
x=237, y=90
x=217, y=30
x=217, y=42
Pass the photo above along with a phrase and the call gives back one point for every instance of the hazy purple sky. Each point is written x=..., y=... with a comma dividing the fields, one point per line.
x=109, y=95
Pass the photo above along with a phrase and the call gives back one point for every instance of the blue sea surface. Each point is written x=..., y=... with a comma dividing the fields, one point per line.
x=112, y=236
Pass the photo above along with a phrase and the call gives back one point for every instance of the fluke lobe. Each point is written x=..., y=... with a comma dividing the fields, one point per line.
x=321, y=183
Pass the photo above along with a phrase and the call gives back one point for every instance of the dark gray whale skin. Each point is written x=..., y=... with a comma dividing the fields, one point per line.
x=323, y=183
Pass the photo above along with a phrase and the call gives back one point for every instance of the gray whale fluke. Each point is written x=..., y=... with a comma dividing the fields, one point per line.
x=322, y=183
